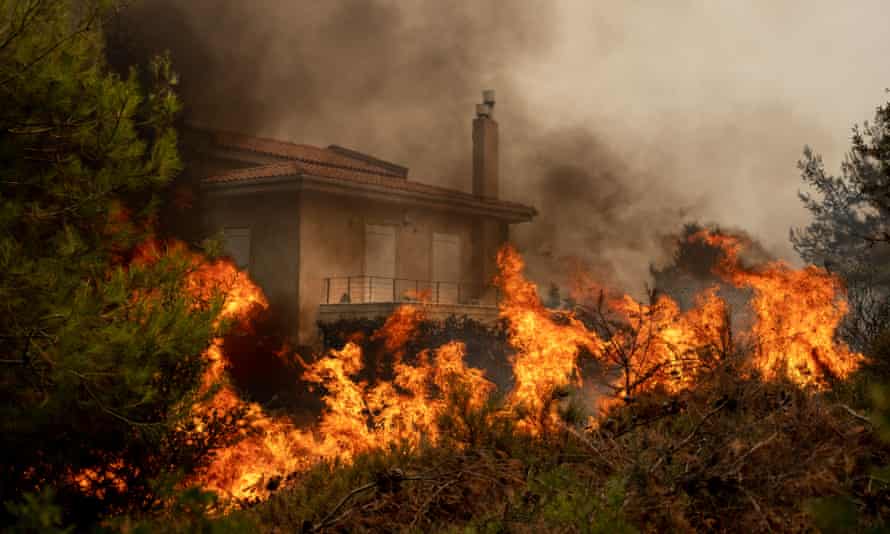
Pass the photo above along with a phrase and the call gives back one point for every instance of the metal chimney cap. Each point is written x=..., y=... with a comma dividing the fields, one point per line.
x=488, y=97
x=483, y=110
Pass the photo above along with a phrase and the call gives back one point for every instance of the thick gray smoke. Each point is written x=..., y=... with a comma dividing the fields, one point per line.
x=618, y=122
x=398, y=80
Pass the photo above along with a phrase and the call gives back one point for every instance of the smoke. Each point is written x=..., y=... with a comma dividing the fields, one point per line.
x=599, y=212
x=619, y=122
x=397, y=80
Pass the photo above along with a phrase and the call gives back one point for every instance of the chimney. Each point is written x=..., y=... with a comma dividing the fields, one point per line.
x=485, y=148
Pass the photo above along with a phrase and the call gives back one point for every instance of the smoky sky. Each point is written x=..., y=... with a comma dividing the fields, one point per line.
x=398, y=80
x=619, y=120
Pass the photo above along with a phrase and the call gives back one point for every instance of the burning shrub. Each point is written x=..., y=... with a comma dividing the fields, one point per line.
x=408, y=398
x=408, y=406
x=733, y=454
x=700, y=400
x=643, y=346
x=486, y=345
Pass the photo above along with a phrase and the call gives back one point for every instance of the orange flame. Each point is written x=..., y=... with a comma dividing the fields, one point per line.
x=657, y=345
x=546, y=352
x=399, y=328
x=663, y=347
x=658, y=348
x=360, y=417
x=357, y=417
x=798, y=312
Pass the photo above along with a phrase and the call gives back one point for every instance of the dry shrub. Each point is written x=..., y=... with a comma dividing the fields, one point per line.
x=733, y=455
x=739, y=455
x=392, y=492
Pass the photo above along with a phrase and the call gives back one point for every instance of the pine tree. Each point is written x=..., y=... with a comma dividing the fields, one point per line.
x=851, y=212
x=850, y=231
x=100, y=356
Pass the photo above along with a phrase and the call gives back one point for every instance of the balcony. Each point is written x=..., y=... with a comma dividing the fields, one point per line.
x=368, y=297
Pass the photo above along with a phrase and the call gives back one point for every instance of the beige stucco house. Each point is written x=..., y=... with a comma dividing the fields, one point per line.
x=331, y=233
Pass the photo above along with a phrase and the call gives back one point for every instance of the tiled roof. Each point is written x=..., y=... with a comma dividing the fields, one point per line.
x=334, y=168
x=359, y=180
x=305, y=153
x=285, y=168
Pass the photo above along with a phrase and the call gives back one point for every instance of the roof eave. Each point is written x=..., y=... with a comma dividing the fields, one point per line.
x=508, y=214
x=308, y=182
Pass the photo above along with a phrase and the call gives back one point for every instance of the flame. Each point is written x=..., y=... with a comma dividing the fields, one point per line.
x=94, y=480
x=270, y=446
x=204, y=279
x=399, y=328
x=644, y=347
x=797, y=314
x=664, y=347
x=546, y=352
x=265, y=448
x=360, y=417
x=660, y=346
x=357, y=417
x=656, y=345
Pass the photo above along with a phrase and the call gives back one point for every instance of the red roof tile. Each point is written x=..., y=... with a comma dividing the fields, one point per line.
x=306, y=153
x=285, y=168
x=329, y=167
x=359, y=179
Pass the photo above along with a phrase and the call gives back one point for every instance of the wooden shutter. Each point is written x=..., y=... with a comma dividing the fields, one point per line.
x=380, y=262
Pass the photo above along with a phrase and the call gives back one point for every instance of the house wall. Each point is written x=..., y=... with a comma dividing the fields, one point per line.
x=331, y=241
x=300, y=238
x=490, y=235
x=274, y=225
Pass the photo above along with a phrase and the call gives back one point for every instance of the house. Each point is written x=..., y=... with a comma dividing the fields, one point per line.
x=333, y=233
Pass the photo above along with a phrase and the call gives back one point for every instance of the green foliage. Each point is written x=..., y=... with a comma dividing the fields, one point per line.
x=568, y=500
x=833, y=515
x=192, y=510
x=214, y=246
x=37, y=512
x=323, y=487
x=100, y=355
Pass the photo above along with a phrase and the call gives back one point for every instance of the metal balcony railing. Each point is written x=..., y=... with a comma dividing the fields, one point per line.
x=369, y=289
